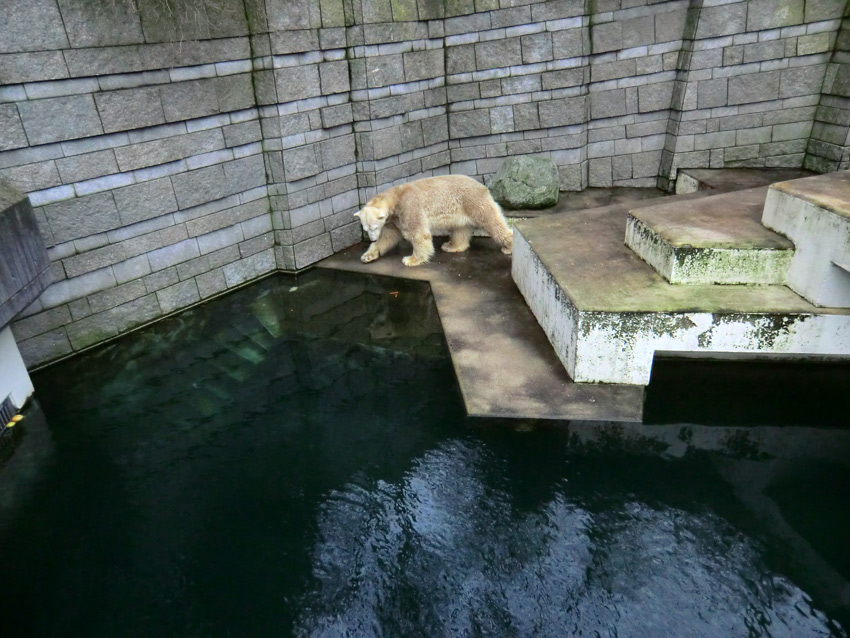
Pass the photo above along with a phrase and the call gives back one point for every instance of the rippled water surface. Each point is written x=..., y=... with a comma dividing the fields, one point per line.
x=293, y=459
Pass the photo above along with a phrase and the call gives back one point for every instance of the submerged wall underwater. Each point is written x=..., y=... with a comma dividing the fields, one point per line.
x=174, y=149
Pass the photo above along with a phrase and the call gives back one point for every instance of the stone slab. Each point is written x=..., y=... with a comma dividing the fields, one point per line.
x=504, y=364
x=607, y=312
x=718, y=240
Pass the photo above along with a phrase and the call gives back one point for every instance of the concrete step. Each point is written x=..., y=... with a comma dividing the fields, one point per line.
x=815, y=214
x=724, y=180
x=607, y=313
x=711, y=240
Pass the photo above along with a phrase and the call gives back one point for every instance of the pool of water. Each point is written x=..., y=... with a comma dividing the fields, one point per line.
x=294, y=459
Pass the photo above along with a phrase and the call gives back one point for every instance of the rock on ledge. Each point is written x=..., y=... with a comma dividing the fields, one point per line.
x=526, y=182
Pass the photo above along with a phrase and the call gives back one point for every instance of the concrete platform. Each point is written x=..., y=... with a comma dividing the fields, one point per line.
x=712, y=240
x=607, y=312
x=724, y=180
x=815, y=214
x=504, y=363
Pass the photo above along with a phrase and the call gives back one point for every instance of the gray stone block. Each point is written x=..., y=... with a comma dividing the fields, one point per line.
x=563, y=112
x=78, y=168
x=45, y=347
x=422, y=65
x=297, y=82
x=334, y=77
x=460, y=59
x=770, y=50
x=755, y=87
x=234, y=92
x=501, y=119
x=568, y=43
x=435, y=129
x=108, y=299
x=178, y=296
x=11, y=129
x=498, y=53
x=526, y=116
x=133, y=268
x=301, y=162
x=411, y=141
x=187, y=100
x=32, y=67
x=32, y=26
x=337, y=115
x=563, y=79
x=339, y=151
x=222, y=238
x=721, y=20
x=607, y=103
x=384, y=70
x=469, y=123
x=804, y=80
x=59, y=119
x=815, y=43
x=129, y=109
x=607, y=36
x=82, y=216
x=520, y=84
x=621, y=167
x=751, y=136
x=646, y=164
x=670, y=25
x=733, y=55
x=199, y=186
x=612, y=70
x=600, y=172
x=711, y=93
x=243, y=133
x=312, y=250
x=771, y=14
x=536, y=47
x=145, y=201
x=92, y=24
x=792, y=131
x=817, y=10
x=171, y=255
x=707, y=141
x=463, y=92
x=32, y=177
x=168, y=149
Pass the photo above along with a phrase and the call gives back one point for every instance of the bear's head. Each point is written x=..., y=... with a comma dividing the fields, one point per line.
x=372, y=218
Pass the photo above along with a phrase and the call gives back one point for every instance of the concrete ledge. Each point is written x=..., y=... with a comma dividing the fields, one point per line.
x=815, y=213
x=716, y=240
x=607, y=313
x=504, y=364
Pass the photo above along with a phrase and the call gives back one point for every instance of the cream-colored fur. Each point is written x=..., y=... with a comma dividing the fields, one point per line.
x=449, y=204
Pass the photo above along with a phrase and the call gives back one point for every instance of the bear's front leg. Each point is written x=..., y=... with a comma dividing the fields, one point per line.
x=387, y=240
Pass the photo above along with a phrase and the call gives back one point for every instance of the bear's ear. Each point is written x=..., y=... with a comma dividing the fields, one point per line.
x=357, y=214
x=382, y=214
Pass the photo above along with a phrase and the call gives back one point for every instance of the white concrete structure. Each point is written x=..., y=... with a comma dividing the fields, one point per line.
x=607, y=313
x=815, y=214
x=14, y=379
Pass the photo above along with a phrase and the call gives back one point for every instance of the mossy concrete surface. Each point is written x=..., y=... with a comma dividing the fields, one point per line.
x=718, y=240
x=607, y=312
x=504, y=363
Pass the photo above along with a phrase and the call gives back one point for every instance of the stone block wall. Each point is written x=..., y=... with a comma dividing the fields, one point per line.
x=174, y=149
x=829, y=146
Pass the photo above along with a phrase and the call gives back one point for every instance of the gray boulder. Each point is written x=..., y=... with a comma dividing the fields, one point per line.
x=526, y=182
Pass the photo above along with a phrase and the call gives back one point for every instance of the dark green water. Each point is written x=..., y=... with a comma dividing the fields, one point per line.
x=294, y=459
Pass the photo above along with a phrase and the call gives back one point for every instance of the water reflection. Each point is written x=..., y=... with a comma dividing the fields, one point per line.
x=446, y=552
x=293, y=459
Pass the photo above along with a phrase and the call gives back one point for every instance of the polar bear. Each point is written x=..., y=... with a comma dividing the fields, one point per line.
x=448, y=204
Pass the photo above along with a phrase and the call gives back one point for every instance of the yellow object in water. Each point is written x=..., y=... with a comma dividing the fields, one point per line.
x=10, y=424
x=16, y=418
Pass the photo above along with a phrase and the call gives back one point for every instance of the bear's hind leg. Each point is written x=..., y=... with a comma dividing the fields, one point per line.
x=499, y=230
x=459, y=240
x=423, y=249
